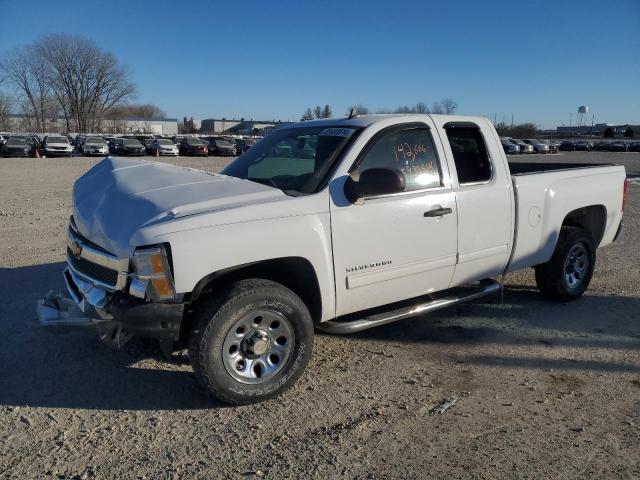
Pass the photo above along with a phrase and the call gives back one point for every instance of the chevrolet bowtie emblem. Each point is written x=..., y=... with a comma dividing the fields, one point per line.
x=76, y=249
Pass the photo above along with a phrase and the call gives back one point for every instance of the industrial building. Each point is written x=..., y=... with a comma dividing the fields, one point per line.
x=156, y=126
x=596, y=130
x=239, y=127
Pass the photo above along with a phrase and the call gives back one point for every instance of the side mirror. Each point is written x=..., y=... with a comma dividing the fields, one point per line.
x=374, y=181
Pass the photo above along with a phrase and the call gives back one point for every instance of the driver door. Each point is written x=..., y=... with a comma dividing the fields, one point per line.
x=389, y=248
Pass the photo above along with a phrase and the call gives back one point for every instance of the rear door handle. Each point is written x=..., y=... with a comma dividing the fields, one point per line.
x=438, y=212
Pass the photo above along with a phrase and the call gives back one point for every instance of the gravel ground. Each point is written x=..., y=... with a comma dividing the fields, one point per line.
x=545, y=390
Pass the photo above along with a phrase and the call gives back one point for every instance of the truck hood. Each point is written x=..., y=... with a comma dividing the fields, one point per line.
x=119, y=196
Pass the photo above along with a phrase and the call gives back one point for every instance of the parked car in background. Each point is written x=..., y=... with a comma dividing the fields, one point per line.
x=163, y=146
x=603, y=146
x=619, y=146
x=553, y=146
x=18, y=147
x=177, y=139
x=537, y=145
x=77, y=143
x=509, y=147
x=142, y=138
x=193, y=146
x=244, y=144
x=147, y=142
x=221, y=147
x=128, y=146
x=583, y=145
x=567, y=146
x=524, y=147
x=95, y=146
x=56, y=146
x=634, y=147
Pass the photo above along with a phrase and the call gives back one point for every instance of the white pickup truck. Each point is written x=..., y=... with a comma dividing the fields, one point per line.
x=339, y=225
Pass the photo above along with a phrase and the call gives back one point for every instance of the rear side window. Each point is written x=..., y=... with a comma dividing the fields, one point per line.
x=409, y=150
x=469, y=154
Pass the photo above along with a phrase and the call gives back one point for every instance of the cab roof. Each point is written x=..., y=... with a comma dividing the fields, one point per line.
x=369, y=119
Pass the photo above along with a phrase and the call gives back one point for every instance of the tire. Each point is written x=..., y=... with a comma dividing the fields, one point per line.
x=239, y=361
x=567, y=274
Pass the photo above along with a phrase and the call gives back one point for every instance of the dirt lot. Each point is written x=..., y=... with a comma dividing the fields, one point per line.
x=545, y=390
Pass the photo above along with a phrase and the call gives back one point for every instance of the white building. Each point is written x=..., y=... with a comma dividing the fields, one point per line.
x=156, y=126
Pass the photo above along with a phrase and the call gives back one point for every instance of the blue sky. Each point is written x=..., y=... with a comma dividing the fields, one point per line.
x=537, y=60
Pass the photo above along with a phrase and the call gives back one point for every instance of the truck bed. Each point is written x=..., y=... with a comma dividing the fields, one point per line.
x=525, y=168
x=545, y=193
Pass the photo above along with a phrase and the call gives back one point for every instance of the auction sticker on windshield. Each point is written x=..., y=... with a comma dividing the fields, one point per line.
x=336, y=132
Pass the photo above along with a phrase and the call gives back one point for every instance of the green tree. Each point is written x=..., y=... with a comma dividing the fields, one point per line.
x=608, y=132
x=307, y=115
x=628, y=133
x=326, y=112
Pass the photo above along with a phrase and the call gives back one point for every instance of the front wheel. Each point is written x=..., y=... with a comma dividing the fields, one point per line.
x=252, y=342
x=567, y=274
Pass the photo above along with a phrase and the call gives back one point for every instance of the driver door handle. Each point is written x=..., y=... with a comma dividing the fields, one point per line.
x=438, y=212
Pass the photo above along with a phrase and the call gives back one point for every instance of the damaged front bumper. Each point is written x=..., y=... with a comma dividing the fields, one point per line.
x=86, y=304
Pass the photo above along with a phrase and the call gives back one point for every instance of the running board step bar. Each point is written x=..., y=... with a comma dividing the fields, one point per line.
x=449, y=298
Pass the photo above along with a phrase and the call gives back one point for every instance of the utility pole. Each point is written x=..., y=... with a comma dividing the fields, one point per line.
x=512, y=120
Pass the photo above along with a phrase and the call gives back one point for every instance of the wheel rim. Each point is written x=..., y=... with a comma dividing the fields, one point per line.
x=576, y=265
x=258, y=346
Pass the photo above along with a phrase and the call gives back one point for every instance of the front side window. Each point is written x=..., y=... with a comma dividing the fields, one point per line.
x=469, y=154
x=410, y=151
x=295, y=160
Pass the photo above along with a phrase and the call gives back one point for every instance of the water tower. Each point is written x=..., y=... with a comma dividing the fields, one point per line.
x=582, y=111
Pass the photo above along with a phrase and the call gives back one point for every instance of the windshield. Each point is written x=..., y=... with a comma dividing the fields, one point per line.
x=222, y=143
x=132, y=143
x=16, y=141
x=94, y=140
x=294, y=159
x=162, y=141
x=57, y=140
x=195, y=141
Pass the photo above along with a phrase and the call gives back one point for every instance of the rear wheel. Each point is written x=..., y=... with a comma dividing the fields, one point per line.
x=252, y=342
x=567, y=274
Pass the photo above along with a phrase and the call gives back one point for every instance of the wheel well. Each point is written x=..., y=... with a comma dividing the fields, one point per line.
x=295, y=273
x=592, y=219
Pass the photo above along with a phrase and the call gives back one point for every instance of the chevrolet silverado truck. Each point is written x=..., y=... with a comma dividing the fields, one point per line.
x=336, y=225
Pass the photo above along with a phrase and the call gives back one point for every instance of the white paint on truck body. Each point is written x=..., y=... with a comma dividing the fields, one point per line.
x=365, y=254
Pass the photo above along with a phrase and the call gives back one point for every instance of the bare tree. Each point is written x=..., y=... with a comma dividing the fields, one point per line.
x=421, y=108
x=436, y=107
x=24, y=70
x=146, y=111
x=317, y=112
x=86, y=80
x=449, y=106
x=5, y=112
x=522, y=130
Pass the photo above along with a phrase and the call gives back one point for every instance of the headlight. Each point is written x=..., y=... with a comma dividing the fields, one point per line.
x=152, y=279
